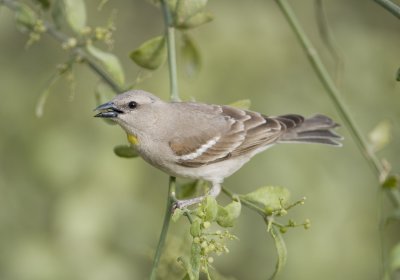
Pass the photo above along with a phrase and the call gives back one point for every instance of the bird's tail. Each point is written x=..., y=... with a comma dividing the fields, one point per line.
x=316, y=129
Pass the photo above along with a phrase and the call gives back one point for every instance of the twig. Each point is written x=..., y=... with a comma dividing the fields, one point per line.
x=174, y=96
x=393, y=8
x=164, y=230
x=170, y=34
x=334, y=95
x=329, y=40
x=245, y=202
x=78, y=50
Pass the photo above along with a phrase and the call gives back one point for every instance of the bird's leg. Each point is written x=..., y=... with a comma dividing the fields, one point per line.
x=214, y=192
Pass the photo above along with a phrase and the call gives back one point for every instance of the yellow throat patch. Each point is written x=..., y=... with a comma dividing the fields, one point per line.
x=132, y=139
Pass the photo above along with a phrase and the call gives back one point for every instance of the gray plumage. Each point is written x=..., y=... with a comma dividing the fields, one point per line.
x=209, y=142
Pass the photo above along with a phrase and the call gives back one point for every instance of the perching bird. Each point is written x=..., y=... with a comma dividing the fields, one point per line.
x=208, y=142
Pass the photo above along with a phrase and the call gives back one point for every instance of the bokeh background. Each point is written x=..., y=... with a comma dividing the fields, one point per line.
x=71, y=209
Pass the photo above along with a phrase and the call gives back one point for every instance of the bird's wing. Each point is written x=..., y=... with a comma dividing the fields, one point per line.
x=230, y=132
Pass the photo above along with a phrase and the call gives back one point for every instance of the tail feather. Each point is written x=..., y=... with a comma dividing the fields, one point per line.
x=316, y=129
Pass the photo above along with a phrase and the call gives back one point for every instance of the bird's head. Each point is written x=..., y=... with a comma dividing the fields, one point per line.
x=134, y=110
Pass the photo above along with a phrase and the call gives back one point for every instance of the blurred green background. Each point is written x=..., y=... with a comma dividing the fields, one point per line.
x=71, y=209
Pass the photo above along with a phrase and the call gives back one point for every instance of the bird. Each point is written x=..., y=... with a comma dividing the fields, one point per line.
x=206, y=141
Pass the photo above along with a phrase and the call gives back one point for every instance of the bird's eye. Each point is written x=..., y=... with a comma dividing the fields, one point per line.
x=132, y=105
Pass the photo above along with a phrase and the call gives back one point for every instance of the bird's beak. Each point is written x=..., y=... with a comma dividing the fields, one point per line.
x=108, y=110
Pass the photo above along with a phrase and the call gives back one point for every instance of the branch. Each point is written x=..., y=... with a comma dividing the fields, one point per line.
x=164, y=230
x=393, y=8
x=170, y=34
x=78, y=50
x=174, y=96
x=334, y=95
x=245, y=202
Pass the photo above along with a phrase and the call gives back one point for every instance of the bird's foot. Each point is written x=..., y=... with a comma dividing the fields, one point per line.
x=184, y=203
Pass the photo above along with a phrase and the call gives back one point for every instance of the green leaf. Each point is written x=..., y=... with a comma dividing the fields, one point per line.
x=195, y=258
x=186, y=9
x=195, y=21
x=45, y=4
x=380, y=136
x=187, y=189
x=39, y=110
x=281, y=251
x=193, y=267
x=151, y=54
x=398, y=75
x=177, y=214
x=189, y=14
x=25, y=17
x=57, y=13
x=125, y=151
x=187, y=267
x=75, y=14
x=195, y=229
x=190, y=56
x=228, y=214
x=211, y=209
x=42, y=102
x=110, y=62
x=391, y=182
x=393, y=217
x=241, y=104
x=269, y=197
x=395, y=259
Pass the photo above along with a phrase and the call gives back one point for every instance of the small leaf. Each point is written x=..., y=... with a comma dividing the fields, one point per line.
x=57, y=13
x=151, y=54
x=195, y=229
x=395, y=259
x=42, y=102
x=195, y=258
x=189, y=14
x=269, y=197
x=241, y=104
x=75, y=14
x=187, y=267
x=186, y=190
x=211, y=209
x=125, y=151
x=177, y=214
x=187, y=9
x=45, y=94
x=190, y=56
x=228, y=214
x=390, y=182
x=45, y=4
x=393, y=217
x=25, y=17
x=110, y=62
x=195, y=21
x=186, y=277
x=380, y=136
x=281, y=251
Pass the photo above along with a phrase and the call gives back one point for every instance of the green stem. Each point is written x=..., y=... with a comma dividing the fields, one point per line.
x=329, y=85
x=170, y=34
x=174, y=96
x=393, y=8
x=164, y=230
x=80, y=51
x=245, y=202
x=334, y=95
